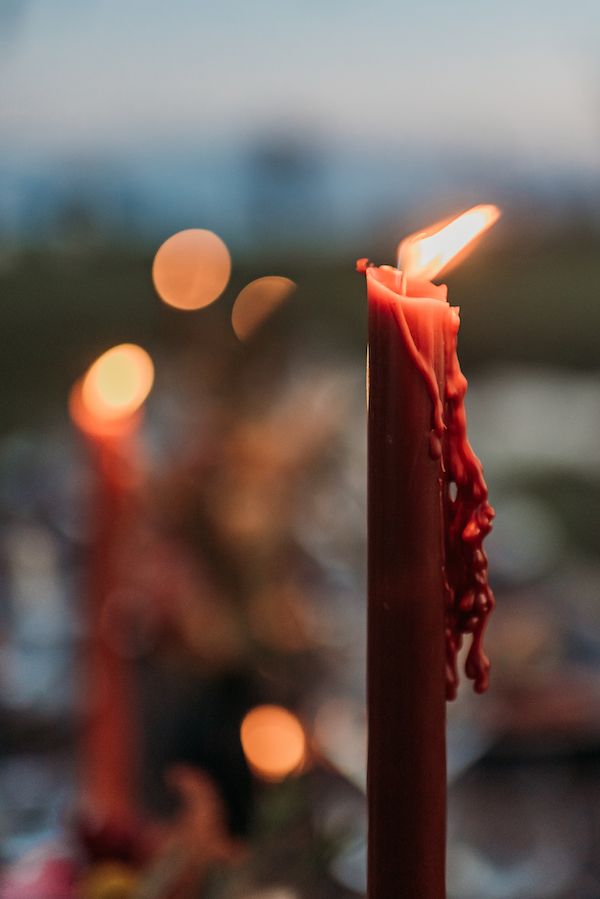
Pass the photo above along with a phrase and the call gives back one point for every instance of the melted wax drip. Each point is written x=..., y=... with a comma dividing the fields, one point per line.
x=469, y=598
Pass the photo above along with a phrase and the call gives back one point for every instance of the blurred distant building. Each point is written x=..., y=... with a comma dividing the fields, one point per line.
x=284, y=186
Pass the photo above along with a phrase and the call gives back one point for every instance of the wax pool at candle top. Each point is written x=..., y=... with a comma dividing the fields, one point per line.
x=468, y=514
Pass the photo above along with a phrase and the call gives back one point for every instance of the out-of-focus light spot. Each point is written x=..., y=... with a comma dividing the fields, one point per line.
x=256, y=301
x=118, y=382
x=113, y=389
x=191, y=269
x=273, y=741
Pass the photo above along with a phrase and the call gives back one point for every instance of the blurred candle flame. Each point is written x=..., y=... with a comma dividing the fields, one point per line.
x=427, y=253
x=118, y=382
x=273, y=741
x=113, y=389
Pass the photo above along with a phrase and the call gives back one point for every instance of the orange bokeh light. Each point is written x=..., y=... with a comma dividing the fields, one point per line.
x=113, y=389
x=273, y=741
x=256, y=301
x=427, y=253
x=191, y=269
x=118, y=382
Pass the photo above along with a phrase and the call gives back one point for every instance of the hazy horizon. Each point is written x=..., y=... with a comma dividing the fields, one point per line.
x=159, y=118
x=517, y=82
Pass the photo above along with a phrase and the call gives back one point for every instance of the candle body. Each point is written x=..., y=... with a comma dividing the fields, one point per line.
x=406, y=593
x=109, y=750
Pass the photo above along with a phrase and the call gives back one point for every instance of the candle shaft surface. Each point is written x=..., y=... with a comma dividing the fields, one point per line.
x=109, y=761
x=406, y=602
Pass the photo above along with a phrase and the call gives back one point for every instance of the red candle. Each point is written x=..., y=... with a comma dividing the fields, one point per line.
x=427, y=573
x=105, y=406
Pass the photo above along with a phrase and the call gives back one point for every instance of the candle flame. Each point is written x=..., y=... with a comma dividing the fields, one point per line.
x=427, y=253
x=117, y=383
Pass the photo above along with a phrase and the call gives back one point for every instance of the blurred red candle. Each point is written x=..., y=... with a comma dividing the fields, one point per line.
x=427, y=573
x=106, y=407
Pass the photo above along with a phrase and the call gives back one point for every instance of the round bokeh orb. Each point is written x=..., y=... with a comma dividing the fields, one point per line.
x=257, y=301
x=191, y=269
x=273, y=741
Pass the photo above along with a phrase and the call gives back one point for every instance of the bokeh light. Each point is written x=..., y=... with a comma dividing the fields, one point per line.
x=273, y=741
x=191, y=269
x=105, y=401
x=118, y=382
x=256, y=301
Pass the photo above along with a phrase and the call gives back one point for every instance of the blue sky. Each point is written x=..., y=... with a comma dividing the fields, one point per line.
x=517, y=81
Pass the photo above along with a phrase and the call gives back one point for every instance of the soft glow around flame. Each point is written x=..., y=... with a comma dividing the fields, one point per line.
x=117, y=383
x=273, y=741
x=427, y=253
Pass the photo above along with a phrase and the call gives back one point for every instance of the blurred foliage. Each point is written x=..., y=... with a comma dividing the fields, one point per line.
x=250, y=548
x=525, y=300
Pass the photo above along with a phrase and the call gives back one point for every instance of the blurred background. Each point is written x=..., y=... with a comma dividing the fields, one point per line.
x=305, y=135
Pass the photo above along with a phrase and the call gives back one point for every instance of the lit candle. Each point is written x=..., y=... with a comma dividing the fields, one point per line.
x=106, y=407
x=428, y=513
